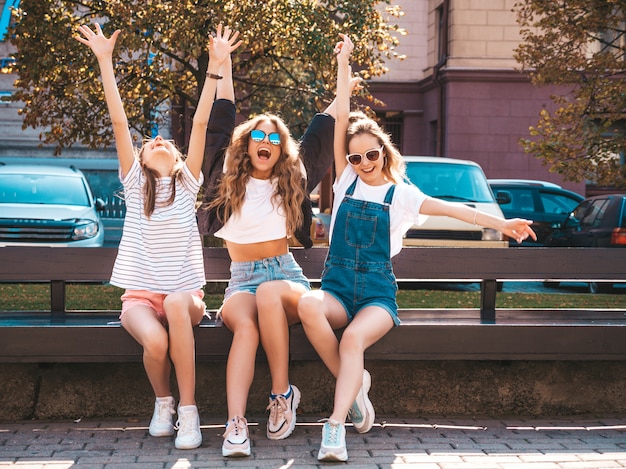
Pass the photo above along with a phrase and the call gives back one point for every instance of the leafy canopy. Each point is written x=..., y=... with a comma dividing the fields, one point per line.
x=286, y=65
x=579, y=44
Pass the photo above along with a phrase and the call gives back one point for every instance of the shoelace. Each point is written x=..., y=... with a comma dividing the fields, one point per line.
x=238, y=425
x=165, y=412
x=332, y=436
x=185, y=423
x=277, y=408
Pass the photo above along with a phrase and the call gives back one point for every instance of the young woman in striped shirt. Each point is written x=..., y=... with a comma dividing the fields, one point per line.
x=159, y=262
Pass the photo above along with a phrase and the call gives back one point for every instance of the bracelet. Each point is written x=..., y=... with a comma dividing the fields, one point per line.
x=475, y=214
x=214, y=76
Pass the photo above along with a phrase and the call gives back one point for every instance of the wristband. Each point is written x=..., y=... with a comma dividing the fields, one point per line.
x=214, y=76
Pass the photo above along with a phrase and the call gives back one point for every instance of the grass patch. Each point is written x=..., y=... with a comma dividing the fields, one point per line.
x=36, y=297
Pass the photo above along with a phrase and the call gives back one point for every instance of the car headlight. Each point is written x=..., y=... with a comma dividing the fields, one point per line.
x=85, y=229
x=489, y=234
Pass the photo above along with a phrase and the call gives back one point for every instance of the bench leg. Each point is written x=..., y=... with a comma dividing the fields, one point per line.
x=57, y=300
x=488, y=290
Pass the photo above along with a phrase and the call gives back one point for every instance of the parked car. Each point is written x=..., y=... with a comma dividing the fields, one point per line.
x=45, y=205
x=598, y=221
x=457, y=181
x=547, y=204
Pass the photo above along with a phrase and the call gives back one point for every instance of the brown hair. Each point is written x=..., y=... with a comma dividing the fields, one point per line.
x=288, y=172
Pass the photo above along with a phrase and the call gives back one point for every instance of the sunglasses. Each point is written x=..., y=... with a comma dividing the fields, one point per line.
x=355, y=158
x=258, y=136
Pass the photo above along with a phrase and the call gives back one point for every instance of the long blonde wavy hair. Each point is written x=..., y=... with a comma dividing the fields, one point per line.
x=394, y=168
x=153, y=180
x=288, y=172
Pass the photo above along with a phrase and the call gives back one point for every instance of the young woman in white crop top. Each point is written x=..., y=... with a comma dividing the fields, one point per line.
x=256, y=199
x=160, y=263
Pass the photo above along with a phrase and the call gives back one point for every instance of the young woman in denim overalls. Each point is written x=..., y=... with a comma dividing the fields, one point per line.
x=373, y=209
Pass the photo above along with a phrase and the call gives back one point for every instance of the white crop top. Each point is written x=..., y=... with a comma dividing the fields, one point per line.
x=260, y=219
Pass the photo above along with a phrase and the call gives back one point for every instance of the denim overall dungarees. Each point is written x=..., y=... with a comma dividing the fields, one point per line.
x=358, y=269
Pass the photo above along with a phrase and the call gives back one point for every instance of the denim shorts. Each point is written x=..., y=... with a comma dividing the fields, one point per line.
x=247, y=276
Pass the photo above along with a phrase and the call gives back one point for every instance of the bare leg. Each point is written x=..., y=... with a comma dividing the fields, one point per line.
x=240, y=316
x=320, y=314
x=183, y=312
x=277, y=302
x=142, y=323
x=368, y=326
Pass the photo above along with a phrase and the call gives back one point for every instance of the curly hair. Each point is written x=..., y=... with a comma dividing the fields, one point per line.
x=394, y=167
x=288, y=172
x=153, y=180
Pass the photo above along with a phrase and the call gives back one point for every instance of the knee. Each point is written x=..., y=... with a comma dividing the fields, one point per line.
x=176, y=306
x=247, y=329
x=156, y=346
x=309, y=309
x=351, y=342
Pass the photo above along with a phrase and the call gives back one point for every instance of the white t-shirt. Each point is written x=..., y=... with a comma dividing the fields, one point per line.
x=405, y=206
x=162, y=253
x=261, y=218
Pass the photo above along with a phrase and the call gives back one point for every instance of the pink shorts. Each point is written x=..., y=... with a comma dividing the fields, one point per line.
x=150, y=299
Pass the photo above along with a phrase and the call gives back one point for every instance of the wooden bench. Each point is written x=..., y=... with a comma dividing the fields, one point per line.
x=485, y=333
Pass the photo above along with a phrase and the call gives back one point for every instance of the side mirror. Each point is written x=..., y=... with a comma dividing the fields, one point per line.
x=100, y=205
x=503, y=197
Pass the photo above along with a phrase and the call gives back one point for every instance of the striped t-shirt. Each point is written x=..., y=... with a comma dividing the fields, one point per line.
x=162, y=253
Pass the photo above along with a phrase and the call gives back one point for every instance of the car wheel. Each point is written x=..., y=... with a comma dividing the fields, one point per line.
x=600, y=287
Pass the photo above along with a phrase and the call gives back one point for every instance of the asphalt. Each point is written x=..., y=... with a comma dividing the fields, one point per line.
x=424, y=443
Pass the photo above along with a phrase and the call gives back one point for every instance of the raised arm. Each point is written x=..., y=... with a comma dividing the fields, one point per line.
x=344, y=72
x=102, y=48
x=220, y=47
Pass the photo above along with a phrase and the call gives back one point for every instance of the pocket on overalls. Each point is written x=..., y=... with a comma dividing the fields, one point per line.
x=360, y=230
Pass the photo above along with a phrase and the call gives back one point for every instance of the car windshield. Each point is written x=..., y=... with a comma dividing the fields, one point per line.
x=42, y=189
x=464, y=183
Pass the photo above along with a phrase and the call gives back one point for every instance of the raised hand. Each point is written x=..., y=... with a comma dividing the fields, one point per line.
x=344, y=48
x=101, y=46
x=223, y=43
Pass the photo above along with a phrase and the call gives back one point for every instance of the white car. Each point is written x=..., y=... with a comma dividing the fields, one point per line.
x=45, y=205
x=456, y=181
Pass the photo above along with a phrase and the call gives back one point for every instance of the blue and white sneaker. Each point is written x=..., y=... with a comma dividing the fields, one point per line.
x=333, y=447
x=362, y=411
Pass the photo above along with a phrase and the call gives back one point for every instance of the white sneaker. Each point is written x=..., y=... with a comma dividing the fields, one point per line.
x=333, y=447
x=362, y=411
x=189, y=435
x=162, y=423
x=236, y=439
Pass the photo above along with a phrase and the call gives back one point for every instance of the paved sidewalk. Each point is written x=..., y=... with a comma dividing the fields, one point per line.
x=433, y=443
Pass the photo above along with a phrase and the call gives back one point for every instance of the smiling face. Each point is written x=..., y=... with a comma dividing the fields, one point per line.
x=264, y=154
x=159, y=155
x=370, y=172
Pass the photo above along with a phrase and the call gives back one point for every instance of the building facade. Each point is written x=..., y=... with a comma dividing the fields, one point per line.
x=460, y=93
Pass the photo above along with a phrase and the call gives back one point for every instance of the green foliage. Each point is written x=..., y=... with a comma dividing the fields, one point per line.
x=579, y=45
x=285, y=66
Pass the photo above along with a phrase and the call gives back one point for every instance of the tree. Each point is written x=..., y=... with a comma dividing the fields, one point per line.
x=580, y=45
x=285, y=66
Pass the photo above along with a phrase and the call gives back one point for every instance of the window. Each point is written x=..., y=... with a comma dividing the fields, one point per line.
x=392, y=123
x=557, y=203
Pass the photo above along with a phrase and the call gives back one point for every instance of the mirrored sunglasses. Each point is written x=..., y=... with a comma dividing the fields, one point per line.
x=258, y=136
x=355, y=159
